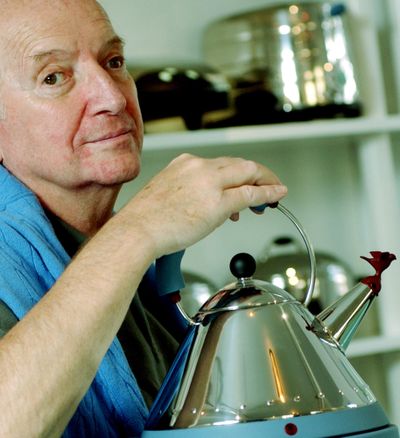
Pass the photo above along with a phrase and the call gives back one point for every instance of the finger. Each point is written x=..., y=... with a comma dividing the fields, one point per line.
x=246, y=196
x=235, y=172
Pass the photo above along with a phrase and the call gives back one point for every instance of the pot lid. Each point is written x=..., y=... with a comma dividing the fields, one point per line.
x=245, y=292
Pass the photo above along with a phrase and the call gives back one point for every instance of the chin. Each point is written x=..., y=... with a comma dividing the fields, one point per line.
x=115, y=172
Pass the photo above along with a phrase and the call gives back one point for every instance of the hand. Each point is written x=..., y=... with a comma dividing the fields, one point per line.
x=192, y=196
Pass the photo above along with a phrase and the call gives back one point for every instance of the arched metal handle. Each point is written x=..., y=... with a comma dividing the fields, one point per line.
x=310, y=251
x=306, y=240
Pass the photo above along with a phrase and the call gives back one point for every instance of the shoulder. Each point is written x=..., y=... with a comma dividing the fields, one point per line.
x=25, y=229
x=29, y=248
x=29, y=262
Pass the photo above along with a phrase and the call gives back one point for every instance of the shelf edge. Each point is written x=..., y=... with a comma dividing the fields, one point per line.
x=373, y=345
x=362, y=126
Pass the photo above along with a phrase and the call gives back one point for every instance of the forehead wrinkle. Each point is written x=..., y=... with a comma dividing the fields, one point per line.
x=42, y=56
x=39, y=57
x=24, y=44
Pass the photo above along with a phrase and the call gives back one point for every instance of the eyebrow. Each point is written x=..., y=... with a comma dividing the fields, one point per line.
x=54, y=53
x=114, y=41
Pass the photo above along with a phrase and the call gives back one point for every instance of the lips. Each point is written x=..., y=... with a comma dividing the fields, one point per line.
x=111, y=135
x=108, y=132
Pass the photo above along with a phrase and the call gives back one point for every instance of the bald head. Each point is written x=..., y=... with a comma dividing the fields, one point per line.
x=32, y=4
x=29, y=9
x=19, y=14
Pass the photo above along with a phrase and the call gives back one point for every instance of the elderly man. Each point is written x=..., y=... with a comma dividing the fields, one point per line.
x=70, y=135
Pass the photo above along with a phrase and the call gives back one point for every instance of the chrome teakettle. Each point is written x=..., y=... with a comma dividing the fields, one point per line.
x=255, y=353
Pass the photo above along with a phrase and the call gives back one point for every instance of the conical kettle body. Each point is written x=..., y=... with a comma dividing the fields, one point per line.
x=255, y=356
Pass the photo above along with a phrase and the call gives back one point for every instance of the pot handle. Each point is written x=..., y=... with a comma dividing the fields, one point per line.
x=306, y=240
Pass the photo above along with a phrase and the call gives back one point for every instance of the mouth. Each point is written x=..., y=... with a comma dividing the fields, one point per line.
x=114, y=135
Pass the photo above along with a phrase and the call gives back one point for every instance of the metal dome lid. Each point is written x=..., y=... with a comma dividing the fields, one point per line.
x=246, y=292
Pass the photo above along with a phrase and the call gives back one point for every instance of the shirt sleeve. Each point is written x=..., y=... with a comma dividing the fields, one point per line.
x=7, y=319
x=168, y=273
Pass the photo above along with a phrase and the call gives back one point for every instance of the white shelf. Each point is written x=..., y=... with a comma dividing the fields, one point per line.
x=373, y=345
x=277, y=133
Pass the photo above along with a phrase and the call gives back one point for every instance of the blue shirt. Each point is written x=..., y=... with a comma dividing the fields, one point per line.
x=31, y=260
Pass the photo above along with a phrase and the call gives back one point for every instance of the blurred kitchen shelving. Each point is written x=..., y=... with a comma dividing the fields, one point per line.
x=298, y=135
x=265, y=135
x=370, y=141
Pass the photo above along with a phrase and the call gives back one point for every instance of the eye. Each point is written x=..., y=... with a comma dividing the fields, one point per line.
x=116, y=63
x=54, y=78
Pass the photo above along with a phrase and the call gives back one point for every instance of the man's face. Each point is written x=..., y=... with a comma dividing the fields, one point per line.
x=69, y=114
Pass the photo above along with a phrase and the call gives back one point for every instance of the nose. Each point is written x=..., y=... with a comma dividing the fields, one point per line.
x=104, y=93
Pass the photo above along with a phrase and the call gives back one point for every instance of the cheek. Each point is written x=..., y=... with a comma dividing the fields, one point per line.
x=133, y=107
x=85, y=153
x=54, y=130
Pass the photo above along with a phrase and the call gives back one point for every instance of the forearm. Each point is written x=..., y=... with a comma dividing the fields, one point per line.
x=49, y=359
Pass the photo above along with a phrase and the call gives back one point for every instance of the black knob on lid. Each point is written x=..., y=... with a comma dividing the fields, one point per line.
x=242, y=265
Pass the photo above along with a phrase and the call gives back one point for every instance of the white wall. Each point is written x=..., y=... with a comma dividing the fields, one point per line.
x=157, y=29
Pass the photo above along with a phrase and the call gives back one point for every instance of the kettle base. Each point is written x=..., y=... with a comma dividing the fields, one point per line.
x=365, y=422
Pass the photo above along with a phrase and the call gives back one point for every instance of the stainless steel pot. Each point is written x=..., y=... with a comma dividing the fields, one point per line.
x=178, y=96
x=285, y=264
x=287, y=62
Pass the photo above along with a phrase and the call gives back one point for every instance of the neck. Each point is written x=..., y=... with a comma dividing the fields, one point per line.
x=86, y=210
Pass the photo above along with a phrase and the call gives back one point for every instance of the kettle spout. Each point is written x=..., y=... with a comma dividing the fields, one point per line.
x=342, y=318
